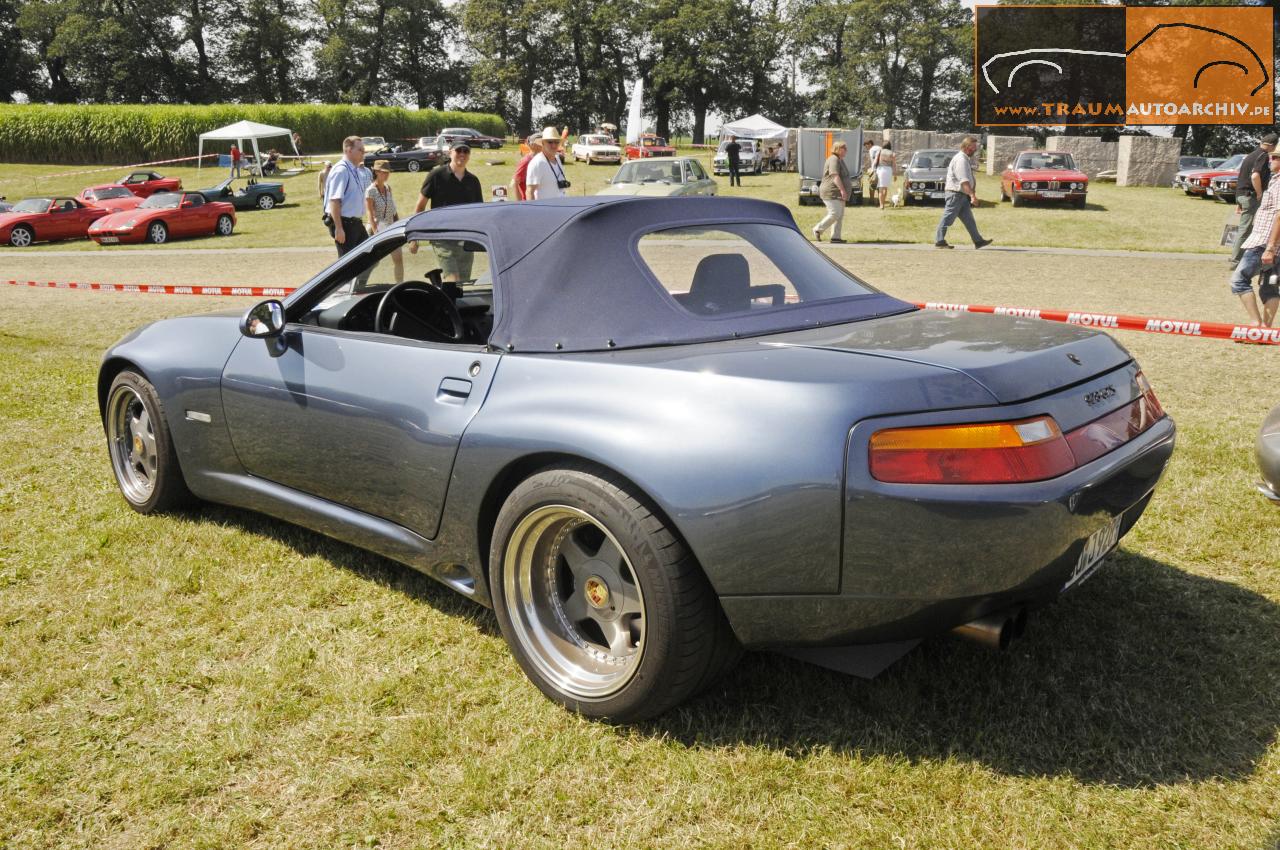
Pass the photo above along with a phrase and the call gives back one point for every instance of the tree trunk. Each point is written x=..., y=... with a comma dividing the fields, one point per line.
x=924, y=106
x=374, y=59
x=196, y=33
x=699, y=100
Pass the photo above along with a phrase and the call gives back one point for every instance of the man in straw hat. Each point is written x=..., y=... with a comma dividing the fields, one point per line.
x=546, y=176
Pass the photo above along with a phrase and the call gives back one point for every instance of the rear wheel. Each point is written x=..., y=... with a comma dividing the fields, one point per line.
x=415, y=166
x=225, y=225
x=157, y=233
x=266, y=202
x=21, y=236
x=603, y=607
x=142, y=454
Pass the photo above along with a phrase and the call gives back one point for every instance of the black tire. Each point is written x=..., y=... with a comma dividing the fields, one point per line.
x=686, y=644
x=153, y=484
x=21, y=236
x=414, y=166
x=224, y=225
x=1015, y=200
x=1003, y=195
x=157, y=233
x=1079, y=203
x=266, y=202
x=906, y=199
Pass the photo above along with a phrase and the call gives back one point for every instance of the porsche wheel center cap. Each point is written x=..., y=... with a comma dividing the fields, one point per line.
x=137, y=444
x=597, y=592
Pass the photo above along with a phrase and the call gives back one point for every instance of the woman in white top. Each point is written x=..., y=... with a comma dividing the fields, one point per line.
x=381, y=206
x=884, y=172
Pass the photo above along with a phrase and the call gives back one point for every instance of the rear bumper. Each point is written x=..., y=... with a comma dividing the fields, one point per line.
x=921, y=560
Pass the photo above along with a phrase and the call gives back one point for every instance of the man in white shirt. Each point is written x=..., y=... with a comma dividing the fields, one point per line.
x=545, y=178
x=961, y=196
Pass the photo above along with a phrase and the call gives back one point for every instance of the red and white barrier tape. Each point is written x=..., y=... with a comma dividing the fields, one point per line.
x=119, y=167
x=1117, y=321
x=157, y=289
x=1105, y=321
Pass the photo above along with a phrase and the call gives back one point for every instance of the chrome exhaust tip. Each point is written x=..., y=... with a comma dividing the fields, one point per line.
x=994, y=631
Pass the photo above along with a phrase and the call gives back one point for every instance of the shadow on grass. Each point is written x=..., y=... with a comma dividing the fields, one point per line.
x=1143, y=676
x=367, y=565
x=1051, y=205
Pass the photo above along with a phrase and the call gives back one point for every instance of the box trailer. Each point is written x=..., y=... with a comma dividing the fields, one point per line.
x=812, y=149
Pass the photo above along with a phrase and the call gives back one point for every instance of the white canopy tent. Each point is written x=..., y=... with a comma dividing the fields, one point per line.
x=754, y=127
x=245, y=131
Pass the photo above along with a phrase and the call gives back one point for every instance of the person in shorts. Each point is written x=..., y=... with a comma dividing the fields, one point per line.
x=1259, y=253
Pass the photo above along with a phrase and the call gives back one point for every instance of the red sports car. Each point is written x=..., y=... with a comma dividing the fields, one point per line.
x=166, y=216
x=46, y=220
x=1044, y=176
x=113, y=197
x=649, y=145
x=1200, y=181
x=144, y=184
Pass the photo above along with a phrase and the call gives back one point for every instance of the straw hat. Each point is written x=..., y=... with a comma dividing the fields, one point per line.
x=551, y=134
x=382, y=165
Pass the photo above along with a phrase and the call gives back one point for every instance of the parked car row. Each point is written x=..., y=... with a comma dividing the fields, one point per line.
x=1212, y=179
x=143, y=206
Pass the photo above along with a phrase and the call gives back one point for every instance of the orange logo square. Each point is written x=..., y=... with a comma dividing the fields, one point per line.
x=1199, y=65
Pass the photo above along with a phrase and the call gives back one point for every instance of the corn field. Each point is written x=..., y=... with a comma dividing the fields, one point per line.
x=128, y=134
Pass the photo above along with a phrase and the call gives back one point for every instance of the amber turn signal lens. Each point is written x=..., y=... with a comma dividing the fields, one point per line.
x=981, y=453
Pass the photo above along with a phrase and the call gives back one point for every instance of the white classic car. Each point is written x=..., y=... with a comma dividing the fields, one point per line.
x=750, y=158
x=661, y=176
x=595, y=148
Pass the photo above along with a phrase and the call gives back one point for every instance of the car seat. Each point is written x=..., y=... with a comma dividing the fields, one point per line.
x=721, y=284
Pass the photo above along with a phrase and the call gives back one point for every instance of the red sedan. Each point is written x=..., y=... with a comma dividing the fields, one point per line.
x=113, y=197
x=166, y=216
x=1044, y=176
x=46, y=220
x=649, y=145
x=144, y=184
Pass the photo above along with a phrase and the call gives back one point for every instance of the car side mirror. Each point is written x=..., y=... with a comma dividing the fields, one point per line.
x=263, y=320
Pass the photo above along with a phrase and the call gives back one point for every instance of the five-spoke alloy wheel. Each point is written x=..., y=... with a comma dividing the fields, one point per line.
x=600, y=602
x=142, y=454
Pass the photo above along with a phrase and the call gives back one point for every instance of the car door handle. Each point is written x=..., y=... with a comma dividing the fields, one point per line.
x=453, y=391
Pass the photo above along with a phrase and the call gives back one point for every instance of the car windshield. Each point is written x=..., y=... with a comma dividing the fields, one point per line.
x=1192, y=162
x=736, y=268
x=32, y=205
x=649, y=172
x=932, y=159
x=163, y=201
x=1048, y=161
x=654, y=142
x=748, y=146
x=1234, y=162
x=595, y=140
x=111, y=192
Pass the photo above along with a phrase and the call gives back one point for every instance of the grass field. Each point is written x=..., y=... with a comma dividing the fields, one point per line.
x=1142, y=219
x=218, y=679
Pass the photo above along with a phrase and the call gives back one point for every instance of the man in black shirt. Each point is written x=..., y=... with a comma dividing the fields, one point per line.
x=445, y=186
x=733, y=151
x=1255, y=174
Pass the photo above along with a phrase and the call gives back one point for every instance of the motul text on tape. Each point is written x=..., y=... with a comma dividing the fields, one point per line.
x=1107, y=321
x=1120, y=322
x=157, y=289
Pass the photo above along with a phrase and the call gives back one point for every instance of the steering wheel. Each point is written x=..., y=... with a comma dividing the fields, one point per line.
x=421, y=304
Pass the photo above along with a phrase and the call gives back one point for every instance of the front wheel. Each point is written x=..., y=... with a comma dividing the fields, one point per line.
x=415, y=166
x=143, y=457
x=225, y=225
x=158, y=233
x=602, y=606
x=21, y=236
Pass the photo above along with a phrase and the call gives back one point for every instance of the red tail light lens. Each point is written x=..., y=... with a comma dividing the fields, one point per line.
x=1006, y=452
x=986, y=453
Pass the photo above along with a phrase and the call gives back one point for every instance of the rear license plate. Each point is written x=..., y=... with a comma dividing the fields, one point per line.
x=108, y=239
x=1055, y=194
x=1096, y=548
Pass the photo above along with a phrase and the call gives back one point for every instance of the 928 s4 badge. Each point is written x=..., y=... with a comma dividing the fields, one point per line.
x=1098, y=396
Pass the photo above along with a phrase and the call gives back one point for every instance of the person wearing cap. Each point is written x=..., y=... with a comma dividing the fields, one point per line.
x=446, y=186
x=1251, y=183
x=522, y=170
x=545, y=178
x=381, y=206
x=1259, y=252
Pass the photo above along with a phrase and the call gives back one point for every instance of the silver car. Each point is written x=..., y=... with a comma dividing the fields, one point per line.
x=661, y=176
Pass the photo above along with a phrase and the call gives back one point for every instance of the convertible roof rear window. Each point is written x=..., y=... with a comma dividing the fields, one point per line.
x=743, y=268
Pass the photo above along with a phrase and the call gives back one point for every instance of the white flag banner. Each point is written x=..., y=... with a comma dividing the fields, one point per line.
x=635, y=121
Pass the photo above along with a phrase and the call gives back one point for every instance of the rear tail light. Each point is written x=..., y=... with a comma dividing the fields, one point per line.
x=1006, y=452
x=987, y=453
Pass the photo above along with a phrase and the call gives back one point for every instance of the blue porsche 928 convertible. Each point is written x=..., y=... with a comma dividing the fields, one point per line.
x=649, y=433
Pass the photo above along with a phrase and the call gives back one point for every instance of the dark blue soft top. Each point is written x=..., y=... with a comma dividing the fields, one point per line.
x=568, y=277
